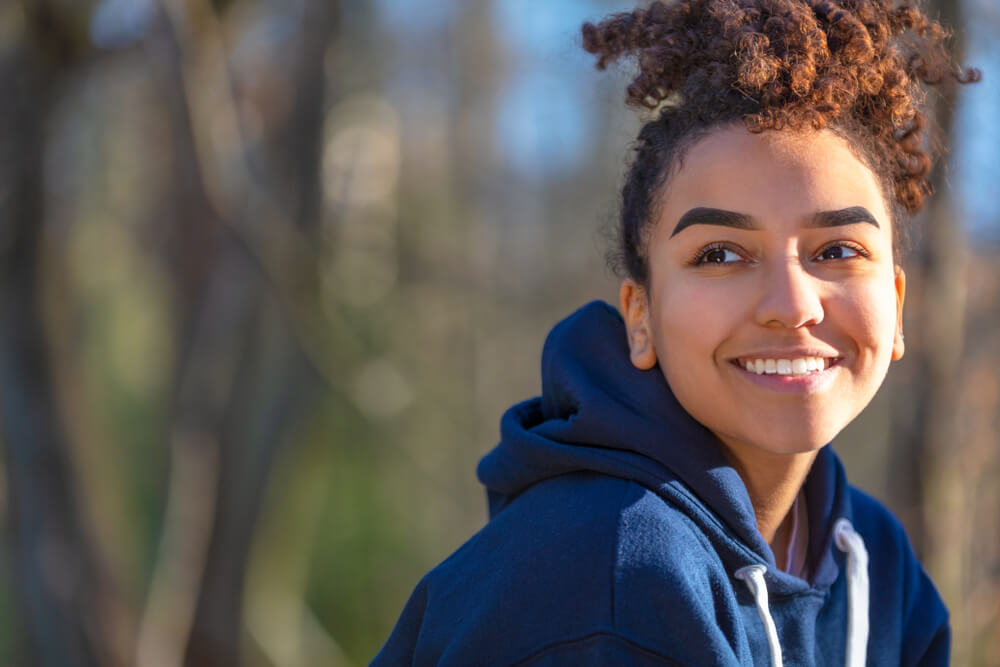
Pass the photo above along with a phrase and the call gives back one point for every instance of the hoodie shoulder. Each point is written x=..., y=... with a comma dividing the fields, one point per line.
x=582, y=563
x=884, y=536
x=915, y=621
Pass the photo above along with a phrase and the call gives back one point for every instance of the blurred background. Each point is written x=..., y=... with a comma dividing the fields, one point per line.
x=272, y=269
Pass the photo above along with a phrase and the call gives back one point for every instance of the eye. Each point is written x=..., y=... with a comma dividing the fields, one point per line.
x=841, y=250
x=715, y=254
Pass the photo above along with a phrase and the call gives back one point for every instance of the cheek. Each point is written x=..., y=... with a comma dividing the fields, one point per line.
x=864, y=322
x=692, y=320
x=868, y=317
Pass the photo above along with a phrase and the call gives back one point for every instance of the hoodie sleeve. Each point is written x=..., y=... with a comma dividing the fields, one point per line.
x=926, y=633
x=594, y=650
x=597, y=650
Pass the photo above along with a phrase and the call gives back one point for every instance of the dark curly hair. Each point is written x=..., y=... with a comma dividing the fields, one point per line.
x=852, y=66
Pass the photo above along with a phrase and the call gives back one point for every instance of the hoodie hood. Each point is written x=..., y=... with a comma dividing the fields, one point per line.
x=598, y=413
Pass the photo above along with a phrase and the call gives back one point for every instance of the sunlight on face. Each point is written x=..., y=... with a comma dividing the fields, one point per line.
x=774, y=302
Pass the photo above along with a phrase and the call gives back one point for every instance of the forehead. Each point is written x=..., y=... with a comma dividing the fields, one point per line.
x=776, y=176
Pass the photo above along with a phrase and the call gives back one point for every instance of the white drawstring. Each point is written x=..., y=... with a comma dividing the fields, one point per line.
x=848, y=540
x=753, y=575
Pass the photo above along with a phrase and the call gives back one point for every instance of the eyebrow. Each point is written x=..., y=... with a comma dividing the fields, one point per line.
x=845, y=216
x=716, y=216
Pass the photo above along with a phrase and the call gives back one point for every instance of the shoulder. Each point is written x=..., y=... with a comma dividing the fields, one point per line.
x=901, y=590
x=559, y=569
x=606, y=525
x=581, y=531
x=609, y=518
x=886, y=541
x=891, y=556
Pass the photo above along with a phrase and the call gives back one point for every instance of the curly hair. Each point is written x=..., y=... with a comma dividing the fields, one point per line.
x=852, y=66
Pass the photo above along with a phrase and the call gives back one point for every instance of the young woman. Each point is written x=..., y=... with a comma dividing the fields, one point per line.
x=669, y=499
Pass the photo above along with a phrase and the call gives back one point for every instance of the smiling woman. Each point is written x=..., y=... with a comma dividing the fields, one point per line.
x=671, y=498
x=803, y=285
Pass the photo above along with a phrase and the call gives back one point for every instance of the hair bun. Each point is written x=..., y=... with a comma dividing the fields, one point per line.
x=790, y=63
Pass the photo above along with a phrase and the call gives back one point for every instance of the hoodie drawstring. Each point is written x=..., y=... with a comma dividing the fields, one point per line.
x=849, y=541
x=753, y=575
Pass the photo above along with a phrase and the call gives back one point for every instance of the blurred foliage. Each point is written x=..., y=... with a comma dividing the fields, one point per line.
x=283, y=265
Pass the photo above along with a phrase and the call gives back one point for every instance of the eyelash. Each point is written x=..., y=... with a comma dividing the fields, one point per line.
x=700, y=256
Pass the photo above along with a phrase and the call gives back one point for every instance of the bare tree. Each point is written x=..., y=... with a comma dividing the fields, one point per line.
x=71, y=613
x=243, y=377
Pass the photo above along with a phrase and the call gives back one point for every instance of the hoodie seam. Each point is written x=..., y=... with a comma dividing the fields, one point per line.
x=591, y=637
x=615, y=544
x=692, y=505
x=691, y=501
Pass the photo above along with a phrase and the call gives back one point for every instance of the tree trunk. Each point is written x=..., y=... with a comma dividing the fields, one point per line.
x=67, y=604
x=242, y=378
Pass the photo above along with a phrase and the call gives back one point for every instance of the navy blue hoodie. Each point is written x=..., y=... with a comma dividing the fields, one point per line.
x=620, y=535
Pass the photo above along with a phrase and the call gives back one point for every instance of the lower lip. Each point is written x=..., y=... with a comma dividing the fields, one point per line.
x=791, y=384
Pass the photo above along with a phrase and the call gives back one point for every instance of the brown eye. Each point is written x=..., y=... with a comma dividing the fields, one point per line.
x=839, y=251
x=719, y=256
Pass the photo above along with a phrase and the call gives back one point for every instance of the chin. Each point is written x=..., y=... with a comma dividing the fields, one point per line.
x=792, y=439
x=793, y=445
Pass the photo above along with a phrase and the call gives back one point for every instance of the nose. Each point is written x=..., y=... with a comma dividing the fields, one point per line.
x=789, y=296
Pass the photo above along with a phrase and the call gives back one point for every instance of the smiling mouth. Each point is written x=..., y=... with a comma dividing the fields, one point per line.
x=794, y=367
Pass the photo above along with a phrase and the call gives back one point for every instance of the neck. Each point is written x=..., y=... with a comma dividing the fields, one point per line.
x=773, y=481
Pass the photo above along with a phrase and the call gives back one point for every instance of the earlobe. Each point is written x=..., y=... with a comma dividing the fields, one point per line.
x=898, y=346
x=635, y=311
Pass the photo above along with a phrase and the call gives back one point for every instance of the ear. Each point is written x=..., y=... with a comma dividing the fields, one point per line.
x=898, y=347
x=635, y=310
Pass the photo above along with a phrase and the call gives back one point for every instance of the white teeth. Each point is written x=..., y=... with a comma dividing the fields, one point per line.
x=797, y=366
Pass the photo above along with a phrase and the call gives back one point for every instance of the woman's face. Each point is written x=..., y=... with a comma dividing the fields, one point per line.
x=774, y=302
